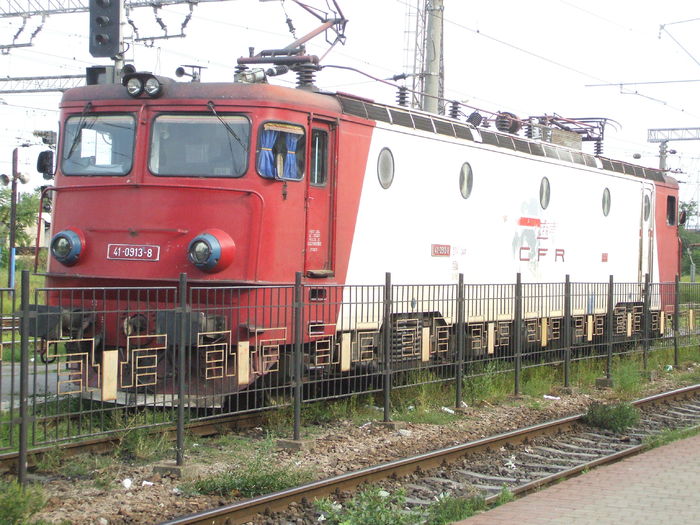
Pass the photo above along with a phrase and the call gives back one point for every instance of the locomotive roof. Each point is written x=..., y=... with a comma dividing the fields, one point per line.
x=402, y=116
x=212, y=91
x=268, y=94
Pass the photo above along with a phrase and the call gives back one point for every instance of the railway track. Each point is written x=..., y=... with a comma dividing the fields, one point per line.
x=522, y=460
x=104, y=444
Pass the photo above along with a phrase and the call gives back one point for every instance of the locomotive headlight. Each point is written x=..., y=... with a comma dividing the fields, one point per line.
x=66, y=246
x=211, y=250
x=137, y=83
x=153, y=87
x=134, y=86
x=200, y=251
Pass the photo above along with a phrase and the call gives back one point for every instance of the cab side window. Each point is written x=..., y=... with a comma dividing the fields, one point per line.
x=281, y=149
x=318, y=169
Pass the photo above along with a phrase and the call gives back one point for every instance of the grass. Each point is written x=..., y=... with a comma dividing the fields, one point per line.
x=375, y=506
x=669, y=436
x=371, y=506
x=537, y=381
x=448, y=509
x=18, y=505
x=627, y=380
x=253, y=474
x=618, y=417
x=487, y=381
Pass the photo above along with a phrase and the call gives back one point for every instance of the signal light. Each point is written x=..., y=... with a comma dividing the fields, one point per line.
x=105, y=27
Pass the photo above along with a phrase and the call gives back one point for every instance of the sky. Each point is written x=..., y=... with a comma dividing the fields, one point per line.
x=530, y=58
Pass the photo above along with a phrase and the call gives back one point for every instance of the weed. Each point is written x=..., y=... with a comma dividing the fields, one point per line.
x=626, y=378
x=535, y=405
x=448, y=509
x=505, y=496
x=538, y=380
x=488, y=380
x=51, y=461
x=142, y=444
x=617, y=417
x=427, y=417
x=584, y=372
x=668, y=436
x=371, y=506
x=258, y=475
x=18, y=505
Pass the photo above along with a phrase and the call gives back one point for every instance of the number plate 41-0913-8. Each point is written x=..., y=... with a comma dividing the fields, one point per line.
x=133, y=252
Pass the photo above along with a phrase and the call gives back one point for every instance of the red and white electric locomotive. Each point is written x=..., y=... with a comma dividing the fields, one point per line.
x=246, y=184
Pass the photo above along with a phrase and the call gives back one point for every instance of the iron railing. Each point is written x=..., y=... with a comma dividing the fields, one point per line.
x=86, y=362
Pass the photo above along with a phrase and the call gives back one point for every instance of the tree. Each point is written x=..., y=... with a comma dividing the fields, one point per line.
x=691, y=210
x=26, y=217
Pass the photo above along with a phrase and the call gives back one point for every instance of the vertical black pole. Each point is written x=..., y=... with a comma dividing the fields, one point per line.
x=24, y=381
x=298, y=334
x=645, y=322
x=460, y=341
x=676, y=317
x=518, y=328
x=181, y=371
x=610, y=327
x=387, y=347
x=567, y=331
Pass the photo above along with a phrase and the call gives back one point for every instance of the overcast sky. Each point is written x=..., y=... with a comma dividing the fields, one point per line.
x=530, y=58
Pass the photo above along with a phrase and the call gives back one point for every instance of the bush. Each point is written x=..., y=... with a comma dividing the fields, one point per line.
x=617, y=418
x=18, y=505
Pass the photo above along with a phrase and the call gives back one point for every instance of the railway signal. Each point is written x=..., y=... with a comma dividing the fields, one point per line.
x=105, y=27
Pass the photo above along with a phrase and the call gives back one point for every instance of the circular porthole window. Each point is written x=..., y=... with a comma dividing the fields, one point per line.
x=647, y=207
x=385, y=168
x=544, y=193
x=606, y=201
x=466, y=180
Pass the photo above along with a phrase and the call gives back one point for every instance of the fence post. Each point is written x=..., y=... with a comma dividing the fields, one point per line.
x=460, y=341
x=645, y=322
x=387, y=347
x=676, y=318
x=181, y=367
x=518, y=328
x=23, y=380
x=567, y=331
x=610, y=327
x=298, y=335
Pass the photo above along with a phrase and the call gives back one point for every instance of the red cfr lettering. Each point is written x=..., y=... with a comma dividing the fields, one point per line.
x=440, y=250
x=529, y=221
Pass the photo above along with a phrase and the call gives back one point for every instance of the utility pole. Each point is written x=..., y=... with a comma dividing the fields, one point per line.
x=433, y=53
x=15, y=178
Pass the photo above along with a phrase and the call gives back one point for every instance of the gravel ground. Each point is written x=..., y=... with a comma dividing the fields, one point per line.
x=336, y=448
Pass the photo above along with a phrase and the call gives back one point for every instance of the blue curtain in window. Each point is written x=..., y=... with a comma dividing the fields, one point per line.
x=266, y=160
x=290, y=163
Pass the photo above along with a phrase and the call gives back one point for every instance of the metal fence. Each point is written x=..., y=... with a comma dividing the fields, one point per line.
x=86, y=362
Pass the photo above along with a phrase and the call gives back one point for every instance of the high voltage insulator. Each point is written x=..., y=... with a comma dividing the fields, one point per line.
x=454, y=109
x=598, y=147
x=402, y=96
x=306, y=75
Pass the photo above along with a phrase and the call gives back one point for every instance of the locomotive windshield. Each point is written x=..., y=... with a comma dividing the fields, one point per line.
x=98, y=145
x=199, y=145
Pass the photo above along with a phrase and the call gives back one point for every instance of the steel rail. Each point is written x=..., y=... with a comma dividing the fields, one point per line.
x=104, y=444
x=246, y=510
